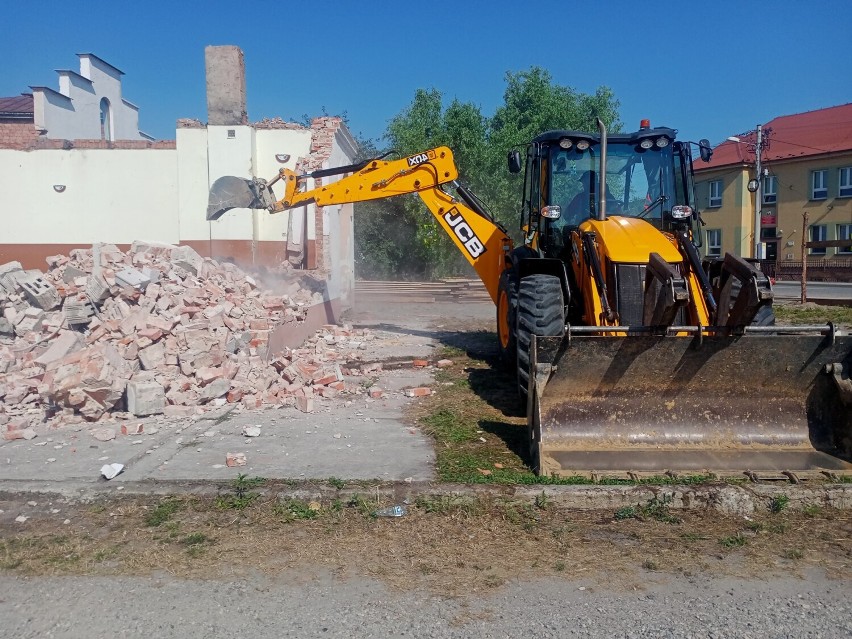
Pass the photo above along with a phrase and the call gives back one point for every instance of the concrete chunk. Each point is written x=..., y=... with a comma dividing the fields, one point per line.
x=145, y=398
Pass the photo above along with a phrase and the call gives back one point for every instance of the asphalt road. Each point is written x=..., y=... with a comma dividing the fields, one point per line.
x=291, y=606
x=816, y=291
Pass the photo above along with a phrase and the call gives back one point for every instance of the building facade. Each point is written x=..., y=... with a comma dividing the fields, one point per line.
x=57, y=194
x=807, y=169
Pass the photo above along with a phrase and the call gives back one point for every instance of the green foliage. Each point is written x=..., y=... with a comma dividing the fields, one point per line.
x=778, y=503
x=398, y=238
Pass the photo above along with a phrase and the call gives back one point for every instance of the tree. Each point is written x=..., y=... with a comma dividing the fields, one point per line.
x=532, y=104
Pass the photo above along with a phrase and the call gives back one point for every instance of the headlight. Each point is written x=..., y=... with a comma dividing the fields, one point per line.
x=552, y=212
x=647, y=143
x=681, y=212
x=582, y=145
x=566, y=143
x=662, y=142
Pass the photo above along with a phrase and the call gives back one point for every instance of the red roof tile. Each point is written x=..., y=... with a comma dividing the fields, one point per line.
x=791, y=136
x=22, y=104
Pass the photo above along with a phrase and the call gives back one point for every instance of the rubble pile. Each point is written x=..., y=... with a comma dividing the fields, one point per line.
x=156, y=330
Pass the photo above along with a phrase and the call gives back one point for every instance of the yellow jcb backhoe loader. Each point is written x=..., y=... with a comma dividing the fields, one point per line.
x=633, y=356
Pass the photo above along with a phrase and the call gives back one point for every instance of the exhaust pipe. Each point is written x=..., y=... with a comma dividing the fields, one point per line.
x=602, y=173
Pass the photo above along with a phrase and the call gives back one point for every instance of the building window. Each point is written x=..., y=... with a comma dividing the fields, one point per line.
x=844, y=232
x=714, y=243
x=770, y=189
x=715, y=193
x=819, y=185
x=844, y=189
x=106, y=120
x=819, y=233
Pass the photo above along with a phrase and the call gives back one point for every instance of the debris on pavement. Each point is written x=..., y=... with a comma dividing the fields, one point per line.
x=235, y=459
x=111, y=470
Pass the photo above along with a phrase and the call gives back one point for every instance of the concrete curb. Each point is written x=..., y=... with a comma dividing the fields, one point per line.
x=728, y=499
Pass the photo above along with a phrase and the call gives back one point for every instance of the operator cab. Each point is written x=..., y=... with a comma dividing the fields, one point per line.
x=648, y=176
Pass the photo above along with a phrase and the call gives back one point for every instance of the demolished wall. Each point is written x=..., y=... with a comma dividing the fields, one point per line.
x=155, y=330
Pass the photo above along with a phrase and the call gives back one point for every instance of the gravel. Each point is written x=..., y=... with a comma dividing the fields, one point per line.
x=298, y=606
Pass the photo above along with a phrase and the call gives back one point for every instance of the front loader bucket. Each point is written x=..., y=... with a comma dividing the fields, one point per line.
x=231, y=192
x=768, y=405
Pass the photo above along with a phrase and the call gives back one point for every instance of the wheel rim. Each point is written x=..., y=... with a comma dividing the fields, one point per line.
x=503, y=319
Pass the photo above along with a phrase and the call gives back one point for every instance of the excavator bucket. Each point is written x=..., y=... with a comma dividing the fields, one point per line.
x=231, y=192
x=773, y=406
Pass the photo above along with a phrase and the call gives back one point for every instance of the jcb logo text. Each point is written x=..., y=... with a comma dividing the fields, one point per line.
x=471, y=243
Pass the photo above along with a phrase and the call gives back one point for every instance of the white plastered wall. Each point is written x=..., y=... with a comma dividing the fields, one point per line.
x=109, y=195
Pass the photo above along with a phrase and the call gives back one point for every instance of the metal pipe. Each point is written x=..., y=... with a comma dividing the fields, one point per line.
x=602, y=173
x=758, y=196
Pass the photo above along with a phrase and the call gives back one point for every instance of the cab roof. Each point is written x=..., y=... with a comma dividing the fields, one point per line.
x=612, y=138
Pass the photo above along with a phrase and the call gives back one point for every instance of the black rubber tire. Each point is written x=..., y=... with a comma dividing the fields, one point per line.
x=508, y=288
x=765, y=317
x=540, y=313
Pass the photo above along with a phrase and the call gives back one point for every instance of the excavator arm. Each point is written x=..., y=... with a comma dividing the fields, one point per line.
x=482, y=241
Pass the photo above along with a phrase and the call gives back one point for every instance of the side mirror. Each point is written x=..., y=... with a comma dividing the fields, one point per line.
x=514, y=159
x=705, y=150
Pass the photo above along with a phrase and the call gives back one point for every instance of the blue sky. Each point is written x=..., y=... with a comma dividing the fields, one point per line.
x=710, y=69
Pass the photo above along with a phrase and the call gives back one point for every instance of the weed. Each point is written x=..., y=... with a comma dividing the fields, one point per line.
x=793, y=553
x=560, y=566
x=755, y=526
x=812, y=510
x=336, y=482
x=656, y=508
x=650, y=564
x=778, y=503
x=626, y=512
x=364, y=506
x=541, y=501
x=844, y=479
x=243, y=483
x=162, y=512
x=336, y=506
x=194, y=539
x=733, y=541
x=777, y=527
x=236, y=502
x=195, y=550
x=296, y=509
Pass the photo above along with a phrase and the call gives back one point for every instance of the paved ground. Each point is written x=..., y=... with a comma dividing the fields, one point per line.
x=353, y=438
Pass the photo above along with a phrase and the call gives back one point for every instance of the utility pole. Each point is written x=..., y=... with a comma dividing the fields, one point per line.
x=758, y=202
x=804, y=257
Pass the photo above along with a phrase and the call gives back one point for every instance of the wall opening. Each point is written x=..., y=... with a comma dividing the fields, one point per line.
x=106, y=121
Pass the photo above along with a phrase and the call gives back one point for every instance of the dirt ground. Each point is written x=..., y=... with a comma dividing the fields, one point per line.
x=452, y=545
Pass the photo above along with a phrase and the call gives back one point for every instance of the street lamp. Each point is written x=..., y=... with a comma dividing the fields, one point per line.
x=756, y=186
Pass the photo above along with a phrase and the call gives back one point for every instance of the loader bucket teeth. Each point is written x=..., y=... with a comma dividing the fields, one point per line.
x=230, y=193
x=646, y=405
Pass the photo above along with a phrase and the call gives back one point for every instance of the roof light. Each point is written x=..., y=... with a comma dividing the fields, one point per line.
x=582, y=145
x=662, y=142
x=681, y=211
x=647, y=143
x=645, y=124
x=565, y=143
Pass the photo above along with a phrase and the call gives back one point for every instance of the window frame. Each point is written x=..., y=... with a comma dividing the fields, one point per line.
x=811, y=232
x=840, y=183
x=844, y=250
x=710, y=198
x=823, y=190
x=773, y=193
x=711, y=247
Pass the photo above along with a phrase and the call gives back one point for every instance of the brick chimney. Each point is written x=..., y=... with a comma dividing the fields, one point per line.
x=226, y=85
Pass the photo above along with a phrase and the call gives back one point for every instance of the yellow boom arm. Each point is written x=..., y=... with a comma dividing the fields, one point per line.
x=481, y=240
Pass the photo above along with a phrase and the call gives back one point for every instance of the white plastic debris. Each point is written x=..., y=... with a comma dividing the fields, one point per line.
x=111, y=470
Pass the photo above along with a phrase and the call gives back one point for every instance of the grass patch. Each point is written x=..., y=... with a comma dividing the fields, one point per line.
x=812, y=314
x=778, y=503
x=793, y=554
x=734, y=541
x=336, y=482
x=296, y=509
x=163, y=511
x=657, y=509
